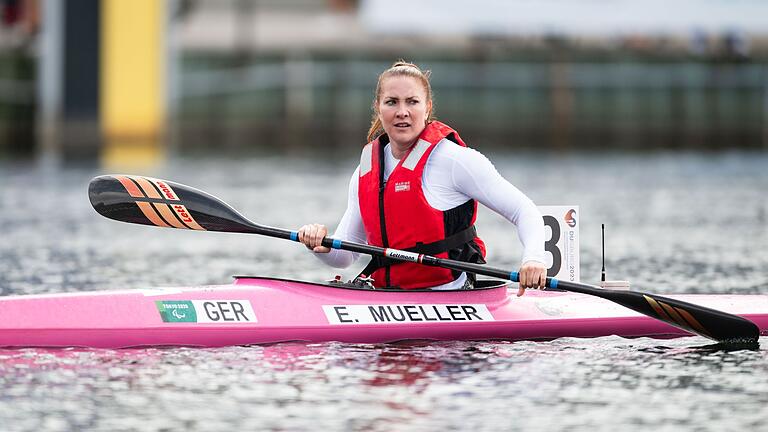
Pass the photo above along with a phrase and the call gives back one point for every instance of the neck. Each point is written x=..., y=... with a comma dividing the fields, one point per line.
x=399, y=150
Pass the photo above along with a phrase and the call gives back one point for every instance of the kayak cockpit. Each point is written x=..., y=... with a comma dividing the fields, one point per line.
x=480, y=285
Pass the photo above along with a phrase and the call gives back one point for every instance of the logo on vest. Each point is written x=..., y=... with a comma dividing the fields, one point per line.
x=402, y=186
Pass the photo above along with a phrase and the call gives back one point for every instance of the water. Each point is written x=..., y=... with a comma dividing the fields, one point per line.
x=676, y=223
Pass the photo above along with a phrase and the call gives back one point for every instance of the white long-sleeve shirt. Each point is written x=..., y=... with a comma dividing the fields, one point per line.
x=453, y=175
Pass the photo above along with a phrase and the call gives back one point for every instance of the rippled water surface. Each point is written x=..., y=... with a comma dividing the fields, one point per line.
x=676, y=223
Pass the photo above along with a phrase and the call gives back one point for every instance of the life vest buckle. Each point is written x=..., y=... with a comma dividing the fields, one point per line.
x=364, y=281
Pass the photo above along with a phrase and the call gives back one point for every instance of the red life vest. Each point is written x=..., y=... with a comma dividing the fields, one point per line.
x=396, y=215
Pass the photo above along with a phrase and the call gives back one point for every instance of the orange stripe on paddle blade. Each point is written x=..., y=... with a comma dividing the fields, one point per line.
x=130, y=186
x=169, y=215
x=150, y=213
x=675, y=316
x=691, y=320
x=186, y=217
x=165, y=189
x=659, y=311
x=147, y=187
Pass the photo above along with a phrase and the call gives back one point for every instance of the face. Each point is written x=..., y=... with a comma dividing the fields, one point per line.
x=403, y=109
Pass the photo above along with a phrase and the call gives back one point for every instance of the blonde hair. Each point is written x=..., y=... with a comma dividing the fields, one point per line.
x=398, y=68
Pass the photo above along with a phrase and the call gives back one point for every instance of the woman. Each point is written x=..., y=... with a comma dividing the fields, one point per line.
x=417, y=189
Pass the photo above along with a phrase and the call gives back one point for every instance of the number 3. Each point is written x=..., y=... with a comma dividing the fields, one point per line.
x=551, y=246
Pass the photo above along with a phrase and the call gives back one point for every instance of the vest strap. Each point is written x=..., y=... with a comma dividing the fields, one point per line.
x=451, y=242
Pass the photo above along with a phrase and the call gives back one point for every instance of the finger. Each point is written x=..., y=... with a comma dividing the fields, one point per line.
x=524, y=278
x=542, y=279
x=305, y=236
x=318, y=238
x=520, y=290
x=311, y=236
x=302, y=233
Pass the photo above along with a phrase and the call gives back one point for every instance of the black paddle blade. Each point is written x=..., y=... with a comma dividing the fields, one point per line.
x=711, y=323
x=151, y=201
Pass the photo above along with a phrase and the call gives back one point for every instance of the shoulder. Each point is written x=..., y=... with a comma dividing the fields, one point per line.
x=447, y=151
x=366, y=155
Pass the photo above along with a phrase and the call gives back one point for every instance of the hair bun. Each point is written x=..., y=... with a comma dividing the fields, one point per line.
x=404, y=63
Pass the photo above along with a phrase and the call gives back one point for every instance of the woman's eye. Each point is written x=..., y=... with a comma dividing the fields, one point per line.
x=413, y=102
x=389, y=102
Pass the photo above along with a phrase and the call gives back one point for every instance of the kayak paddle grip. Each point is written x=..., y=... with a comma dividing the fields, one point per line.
x=331, y=243
x=551, y=282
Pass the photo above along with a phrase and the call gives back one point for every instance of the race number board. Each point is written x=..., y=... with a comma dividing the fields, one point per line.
x=561, y=246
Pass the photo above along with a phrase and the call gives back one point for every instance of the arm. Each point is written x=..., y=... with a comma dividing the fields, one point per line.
x=350, y=229
x=473, y=175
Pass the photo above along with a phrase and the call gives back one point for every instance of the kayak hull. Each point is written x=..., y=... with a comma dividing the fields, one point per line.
x=263, y=310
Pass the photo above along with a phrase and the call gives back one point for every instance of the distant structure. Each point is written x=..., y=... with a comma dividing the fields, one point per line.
x=78, y=78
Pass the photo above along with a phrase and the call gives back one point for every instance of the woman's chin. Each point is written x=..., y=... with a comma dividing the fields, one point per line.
x=403, y=136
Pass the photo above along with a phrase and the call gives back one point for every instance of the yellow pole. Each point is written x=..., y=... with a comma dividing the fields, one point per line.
x=132, y=86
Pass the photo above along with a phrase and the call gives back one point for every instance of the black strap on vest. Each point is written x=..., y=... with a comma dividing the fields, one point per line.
x=451, y=242
x=446, y=244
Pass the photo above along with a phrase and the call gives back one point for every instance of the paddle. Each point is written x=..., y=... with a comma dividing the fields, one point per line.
x=150, y=201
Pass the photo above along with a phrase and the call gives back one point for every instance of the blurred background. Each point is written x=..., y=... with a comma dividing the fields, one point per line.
x=134, y=82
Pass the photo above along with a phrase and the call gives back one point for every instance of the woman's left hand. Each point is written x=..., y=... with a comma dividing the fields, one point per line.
x=533, y=274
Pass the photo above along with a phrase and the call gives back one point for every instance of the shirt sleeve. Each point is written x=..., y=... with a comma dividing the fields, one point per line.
x=475, y=176
x=350, y=228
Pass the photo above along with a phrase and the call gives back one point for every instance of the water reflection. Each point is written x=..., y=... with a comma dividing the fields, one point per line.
x=413, y=385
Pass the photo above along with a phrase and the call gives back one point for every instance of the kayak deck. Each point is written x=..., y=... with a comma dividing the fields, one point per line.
x=256, y=310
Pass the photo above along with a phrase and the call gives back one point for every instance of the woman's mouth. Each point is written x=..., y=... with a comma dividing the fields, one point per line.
x=402, y=125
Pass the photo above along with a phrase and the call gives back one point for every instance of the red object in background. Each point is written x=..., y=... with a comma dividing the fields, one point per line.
x=11, y=12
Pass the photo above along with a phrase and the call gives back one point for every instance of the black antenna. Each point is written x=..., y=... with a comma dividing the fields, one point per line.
x=602, y=277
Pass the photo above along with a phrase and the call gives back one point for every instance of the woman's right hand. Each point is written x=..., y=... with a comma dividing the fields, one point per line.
x=312, y=236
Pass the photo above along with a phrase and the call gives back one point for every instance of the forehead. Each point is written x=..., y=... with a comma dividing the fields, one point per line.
x=402, y=86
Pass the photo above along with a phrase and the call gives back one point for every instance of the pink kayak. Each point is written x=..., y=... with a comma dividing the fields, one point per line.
x=256, y=310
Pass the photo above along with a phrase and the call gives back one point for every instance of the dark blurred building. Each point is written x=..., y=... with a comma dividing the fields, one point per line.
x=613, y=74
